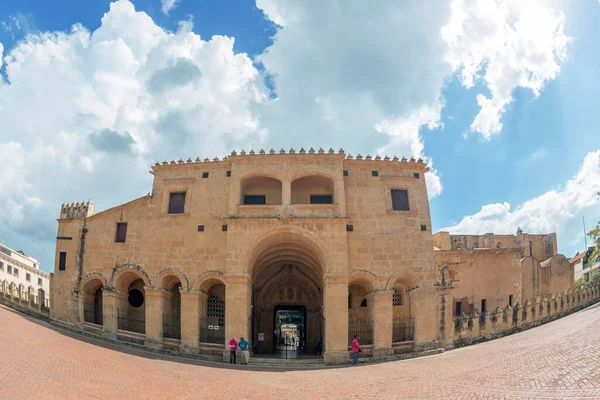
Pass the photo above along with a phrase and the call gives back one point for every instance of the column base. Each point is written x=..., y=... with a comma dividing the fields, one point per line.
x=424, y=346
x=336, y=357
x=153, y=344
x=383, y=352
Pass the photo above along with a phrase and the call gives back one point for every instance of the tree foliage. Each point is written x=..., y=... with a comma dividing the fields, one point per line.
x=594, y=234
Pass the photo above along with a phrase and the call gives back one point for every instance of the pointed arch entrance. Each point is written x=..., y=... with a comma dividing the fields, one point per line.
x=287, y=297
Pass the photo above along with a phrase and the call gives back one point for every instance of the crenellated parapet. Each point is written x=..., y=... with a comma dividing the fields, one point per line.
x=77, y=210
x=292, y=151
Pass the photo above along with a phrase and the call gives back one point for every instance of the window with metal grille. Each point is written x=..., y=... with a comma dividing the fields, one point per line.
x=177, y=203
x=215, y=307
x=1, y=266
x=16, y=272
x=321, y=199
x=397, y=297
x=28, y=277
x=531, y=249
x=62, y=261
x=255, y=199
x=9, y=269
x=121, y=232
x=39, y=281
x=399, y=200
x=349, y=300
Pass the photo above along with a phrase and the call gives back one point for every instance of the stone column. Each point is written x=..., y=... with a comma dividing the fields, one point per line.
x=190, y=320
x=382, y=315
x=201, y=316
x=41, y=299
x=237, y=308
x=424, y=304
x=335, y=304
x=81, y=308
x=286, y=192
x=154, y=302
x=110, y=308
x=446, y=317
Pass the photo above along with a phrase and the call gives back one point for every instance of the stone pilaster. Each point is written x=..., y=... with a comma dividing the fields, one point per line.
x=80, y=308
x=190, y=320
x=381, y=314
x=424, y=308
x=237, y=308
x=110, y=308
x=335, y=305
x=154, y=302
x=286, y=192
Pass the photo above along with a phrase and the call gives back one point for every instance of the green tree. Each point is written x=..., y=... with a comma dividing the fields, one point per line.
x=594, y=234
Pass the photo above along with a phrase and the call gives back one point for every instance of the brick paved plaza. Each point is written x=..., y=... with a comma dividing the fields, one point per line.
x=557, y=360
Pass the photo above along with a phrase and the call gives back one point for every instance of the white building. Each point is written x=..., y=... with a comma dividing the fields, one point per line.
x=23, y=276
x=582, y=270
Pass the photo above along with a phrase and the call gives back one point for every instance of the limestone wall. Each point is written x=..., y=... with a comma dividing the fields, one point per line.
x=476, y=327
x=492, y=274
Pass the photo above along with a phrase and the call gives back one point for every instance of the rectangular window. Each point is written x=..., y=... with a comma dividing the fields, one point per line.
x=510, y=300
x=121, y=232
x=16, y=272
x=255, y=199
x=177, y=203
x=28, y=277
x=39, y=281
x=62, y=261
x=399, y=200
x=458, y=309
x=9, y=269
x=483, y=305
x=1, y=266
x=321, y=199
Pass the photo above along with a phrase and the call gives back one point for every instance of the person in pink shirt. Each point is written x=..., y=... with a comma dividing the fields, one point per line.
x=355, y=349
x=232, y=350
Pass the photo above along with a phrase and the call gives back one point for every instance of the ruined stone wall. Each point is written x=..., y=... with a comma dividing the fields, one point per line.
x=543, y=279
x=493, y=274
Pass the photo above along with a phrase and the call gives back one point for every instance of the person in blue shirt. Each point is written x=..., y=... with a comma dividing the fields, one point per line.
x=244, y=347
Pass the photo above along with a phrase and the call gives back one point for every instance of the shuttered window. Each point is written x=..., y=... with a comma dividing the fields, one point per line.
x=399, y=200
x=177, y=203
x=121, y=232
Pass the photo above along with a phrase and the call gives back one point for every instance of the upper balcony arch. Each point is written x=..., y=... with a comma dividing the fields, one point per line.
x=260, y=189
x=315, y=188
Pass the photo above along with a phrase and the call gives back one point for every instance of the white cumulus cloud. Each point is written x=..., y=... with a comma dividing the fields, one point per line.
x=505, y=44
x=168, y=5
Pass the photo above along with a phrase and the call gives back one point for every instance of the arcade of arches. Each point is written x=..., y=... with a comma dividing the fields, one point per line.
x=286, y=305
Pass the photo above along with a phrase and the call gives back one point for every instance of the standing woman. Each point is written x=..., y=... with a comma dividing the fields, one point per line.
x=233, y=344
x=355, y=349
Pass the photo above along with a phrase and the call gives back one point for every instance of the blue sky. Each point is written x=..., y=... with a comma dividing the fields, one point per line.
x=401, y=80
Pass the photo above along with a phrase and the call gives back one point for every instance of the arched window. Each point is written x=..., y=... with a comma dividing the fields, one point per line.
x=499, y=245
x=397, y=299
x=531, y=249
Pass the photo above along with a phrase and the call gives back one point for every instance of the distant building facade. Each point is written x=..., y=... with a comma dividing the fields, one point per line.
x=22, y=282
x=218, y=248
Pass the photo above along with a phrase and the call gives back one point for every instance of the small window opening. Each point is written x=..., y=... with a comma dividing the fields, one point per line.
x=177, y=203
x=484, y=305
x=399, y=200
x=321, y=199
x=510, y=303
x=39, y=281
x=531, y=249
x=28, y=277
x=363, y=303
x=349, y=300
x=121, y=232
x=458, y=309
x=255, y=199
x=62, y=261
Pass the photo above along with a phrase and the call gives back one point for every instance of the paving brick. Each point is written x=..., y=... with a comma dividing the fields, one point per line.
x=558, y=360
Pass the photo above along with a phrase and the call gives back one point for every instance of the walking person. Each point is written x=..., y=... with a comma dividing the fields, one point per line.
x=245, y=350
x=233, y=344
x=355, y=350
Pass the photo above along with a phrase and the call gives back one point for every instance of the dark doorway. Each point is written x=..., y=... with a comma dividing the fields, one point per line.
x=290, y=328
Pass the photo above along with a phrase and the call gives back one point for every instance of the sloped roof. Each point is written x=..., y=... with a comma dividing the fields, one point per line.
x=577, y=257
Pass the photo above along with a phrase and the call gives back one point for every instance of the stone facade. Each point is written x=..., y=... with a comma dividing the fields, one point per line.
x=223, y=248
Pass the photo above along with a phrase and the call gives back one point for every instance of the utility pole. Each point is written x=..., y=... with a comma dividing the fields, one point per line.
x=584, y=232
